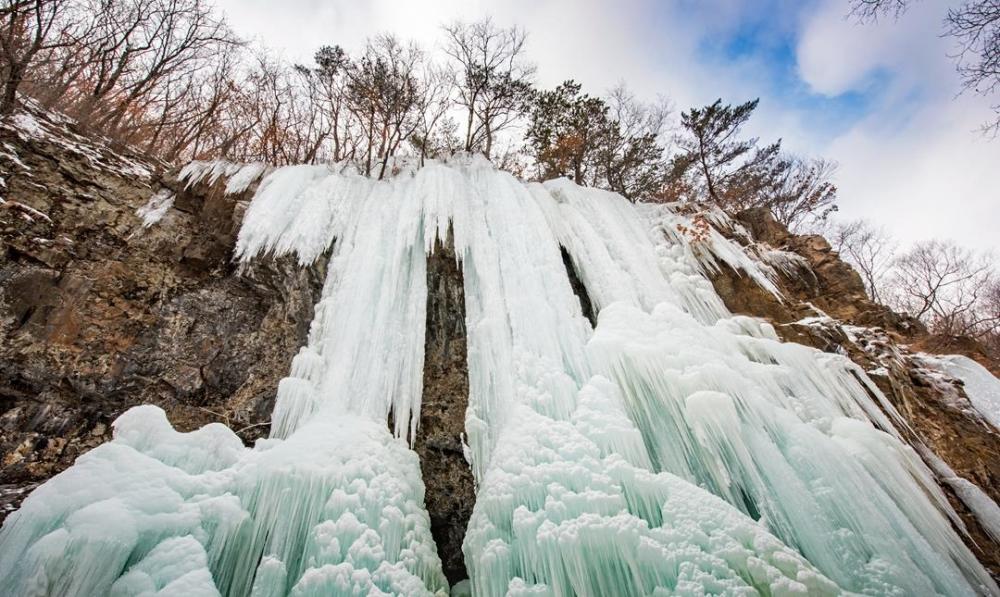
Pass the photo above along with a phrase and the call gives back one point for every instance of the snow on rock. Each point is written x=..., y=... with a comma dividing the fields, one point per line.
x=157, y=207
x=986, y=511
x=791, y=264
x=981, y=386
x=39, y=125
x=674, y=448
x=27, y=212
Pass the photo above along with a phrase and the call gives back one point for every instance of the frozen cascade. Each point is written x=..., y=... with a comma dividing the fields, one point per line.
x=673, y=449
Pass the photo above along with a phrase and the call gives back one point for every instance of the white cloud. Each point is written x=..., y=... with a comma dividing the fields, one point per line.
x=933, y=178
x=836, y=54
x=913, y=163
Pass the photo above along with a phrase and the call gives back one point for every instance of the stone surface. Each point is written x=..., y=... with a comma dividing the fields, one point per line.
x=450, y=491
x=98, y=314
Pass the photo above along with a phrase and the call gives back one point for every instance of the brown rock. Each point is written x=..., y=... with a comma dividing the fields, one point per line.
x=98, y=314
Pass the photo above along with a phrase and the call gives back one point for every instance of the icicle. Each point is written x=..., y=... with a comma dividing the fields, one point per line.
x=566, y=504
x=157, y=207
x=209, y=172
x=244, y=177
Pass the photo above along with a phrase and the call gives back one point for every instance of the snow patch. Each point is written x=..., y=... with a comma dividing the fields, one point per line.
x=157, y=207
x=981, y=386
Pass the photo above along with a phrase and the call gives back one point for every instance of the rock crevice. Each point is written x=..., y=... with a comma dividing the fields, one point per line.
x=450, y=490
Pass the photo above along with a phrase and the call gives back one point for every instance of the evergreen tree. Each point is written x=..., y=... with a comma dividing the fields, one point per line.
x=567, y=128
x=726, y=166
x=736, y=173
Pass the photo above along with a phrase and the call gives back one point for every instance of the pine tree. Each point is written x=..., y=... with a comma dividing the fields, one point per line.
x=566, y=131
x=730, y=169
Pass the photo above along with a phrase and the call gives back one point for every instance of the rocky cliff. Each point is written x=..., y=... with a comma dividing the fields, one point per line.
x=117, y=288
x=99, y=312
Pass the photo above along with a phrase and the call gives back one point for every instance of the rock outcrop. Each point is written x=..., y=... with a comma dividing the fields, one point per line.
x=450, y=490
x=99, y=313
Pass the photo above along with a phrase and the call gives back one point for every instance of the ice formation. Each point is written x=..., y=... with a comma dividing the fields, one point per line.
x=982, y=388
x=673, y=448
x=238, y=177
x=157, y=207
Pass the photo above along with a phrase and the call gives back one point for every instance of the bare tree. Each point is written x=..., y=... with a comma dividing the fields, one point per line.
x=435, y=131
x=990, y=335
x=179, y=39
x=804, y=192
x=975, y=26
x=134, y=68
x=632, y=152
x=872, y=10
x=945, y=285
x=492, y=81
x=330, y=83
x=869, y=248
x=190, y=112
x=29, y=28
x=384, y=94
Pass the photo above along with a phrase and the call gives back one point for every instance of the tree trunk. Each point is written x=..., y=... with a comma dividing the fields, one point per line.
x=9, y=99
x=488, y=150
x=468, y=132
x=704, y=169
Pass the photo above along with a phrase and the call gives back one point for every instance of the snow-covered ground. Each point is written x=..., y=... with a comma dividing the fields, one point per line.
x=674, y=448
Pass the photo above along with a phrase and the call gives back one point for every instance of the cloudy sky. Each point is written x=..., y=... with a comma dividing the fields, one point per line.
x=880, y=99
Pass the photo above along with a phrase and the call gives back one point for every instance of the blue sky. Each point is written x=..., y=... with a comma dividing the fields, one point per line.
x=758, y=38
x=879, y=99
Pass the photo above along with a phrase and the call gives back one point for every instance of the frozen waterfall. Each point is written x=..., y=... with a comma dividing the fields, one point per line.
x=673, y=448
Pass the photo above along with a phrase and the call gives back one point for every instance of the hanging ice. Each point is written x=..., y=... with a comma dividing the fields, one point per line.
x=596, y=451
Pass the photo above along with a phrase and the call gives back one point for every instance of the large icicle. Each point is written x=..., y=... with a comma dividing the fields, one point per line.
x=566, y=501
x=334, y=503
x=339, y=502
x=787, y=434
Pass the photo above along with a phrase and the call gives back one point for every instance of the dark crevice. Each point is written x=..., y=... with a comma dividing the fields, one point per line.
x=450, y=493
x=578, y=288
x=874, y=399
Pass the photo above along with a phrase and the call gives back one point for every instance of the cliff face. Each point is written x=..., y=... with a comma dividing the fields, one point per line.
x=101, y=310
x=450, y=491
x=99, y=313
